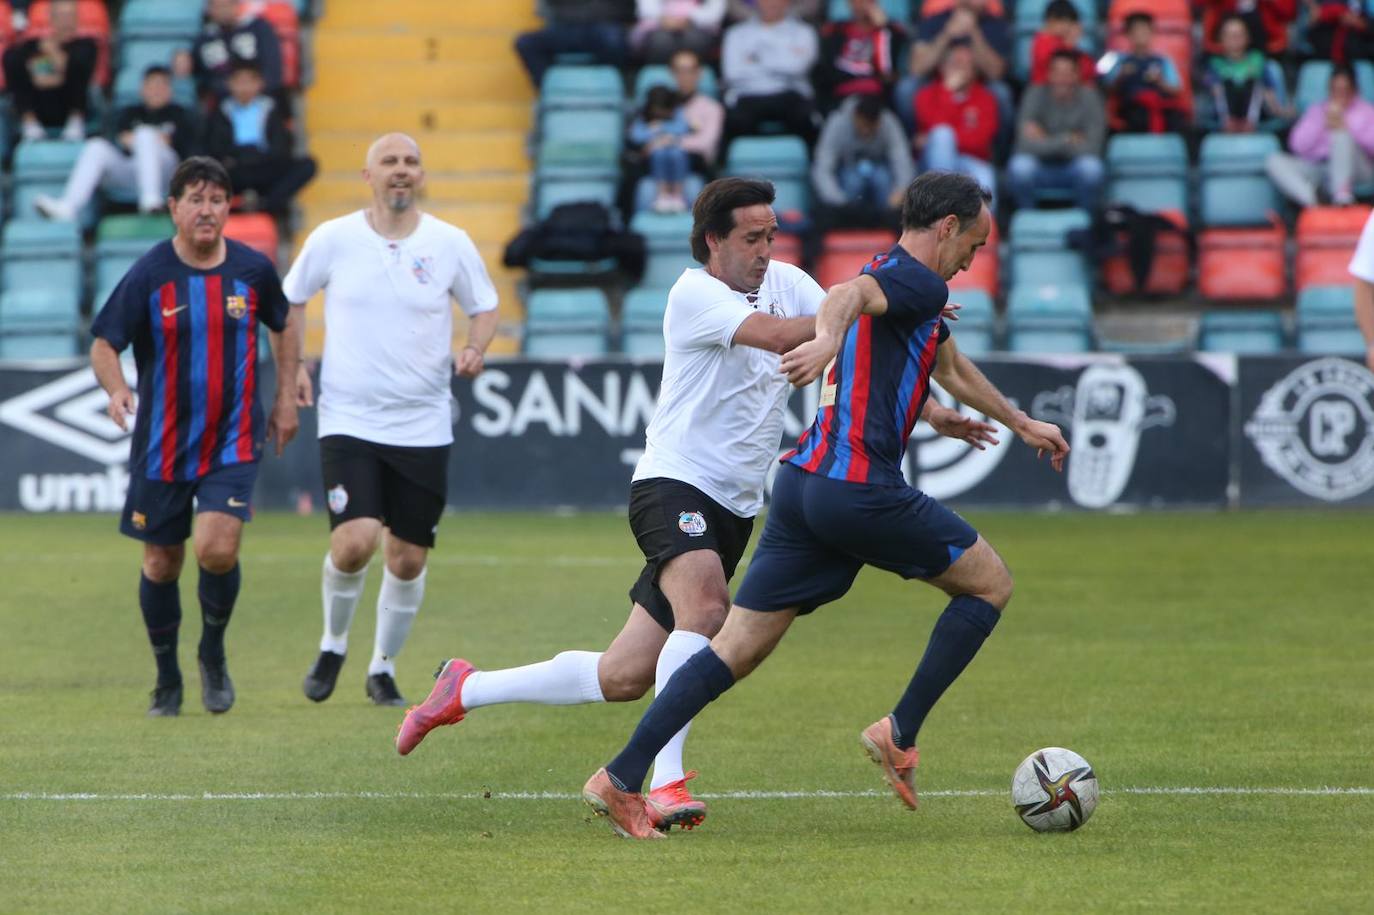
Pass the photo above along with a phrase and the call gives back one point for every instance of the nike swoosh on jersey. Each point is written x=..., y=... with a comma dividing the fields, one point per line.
x=235, y=503
x=168, y=312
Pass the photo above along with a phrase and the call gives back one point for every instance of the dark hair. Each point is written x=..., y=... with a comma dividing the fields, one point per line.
x=199, y=170
x=870, y=107
x=935, y=195
x=1072, y=55
x=1137, y=18
x=714, y=211
x=660, y=100
x=1342, y=69
x=1061, y=10
x=239, y=64
x=158, y=70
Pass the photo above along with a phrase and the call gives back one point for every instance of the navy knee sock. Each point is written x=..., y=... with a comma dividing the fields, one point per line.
x=161, y=606
x=958, y=634
x=217, y=596
x=695, y=685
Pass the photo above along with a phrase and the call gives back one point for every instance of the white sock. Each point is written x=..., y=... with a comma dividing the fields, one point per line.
x=340, y=591
x=568, y=678
x=680, y=646
x=397, y=604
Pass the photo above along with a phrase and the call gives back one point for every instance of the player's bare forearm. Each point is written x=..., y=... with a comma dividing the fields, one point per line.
x=286, y=352
x=776, y=335
x=839, y=309
x=1364, y=316
x=482, y=329
x=960, y=377
x=105, y=364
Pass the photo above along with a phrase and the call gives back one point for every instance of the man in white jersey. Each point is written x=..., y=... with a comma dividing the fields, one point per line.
x=716, y=429
x=389, y=273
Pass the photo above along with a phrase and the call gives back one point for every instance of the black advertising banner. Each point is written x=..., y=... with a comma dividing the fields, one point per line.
x=1209, y=430
x=1305, y=432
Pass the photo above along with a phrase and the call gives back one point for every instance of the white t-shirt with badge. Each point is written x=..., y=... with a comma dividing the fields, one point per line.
x=1362, y=264
x=719, y=419
x=388, y=318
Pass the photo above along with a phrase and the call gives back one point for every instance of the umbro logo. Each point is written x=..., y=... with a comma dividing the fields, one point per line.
x=69, y=412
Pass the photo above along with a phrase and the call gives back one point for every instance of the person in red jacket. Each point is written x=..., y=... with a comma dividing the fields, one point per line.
x=1340, y=31
x=956, y=121
x=1062, y=30
x=1268, y=21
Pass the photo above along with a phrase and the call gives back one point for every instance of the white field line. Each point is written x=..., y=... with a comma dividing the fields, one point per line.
x=628, y=560
x=722, y=795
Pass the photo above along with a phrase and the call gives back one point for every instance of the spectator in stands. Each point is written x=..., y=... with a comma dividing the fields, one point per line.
x=968, y=22
x=1145, y=84
x=1332, y=146
x=766, y=63
x=593, y=27
x=1062, y=30
x=668, y=26
x=147, y=142
x=1059, y=136
x=658, y=131
x=857, y=56
x=1340, y=31
x=956, y=120
x=49, y=76
x=248, y=134
x=861, y=166
x=1244, y=85
x=1266, y=20
x=705, y=116
x=812, y=11
x=225, y=39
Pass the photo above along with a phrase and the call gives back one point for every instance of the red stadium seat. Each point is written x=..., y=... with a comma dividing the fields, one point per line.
x=1168, y=272
x=92, y=21
x=787, y=248
x=281, y=15
x=6, y=33
x=834, y=267
x=936, y=7
x=869, y=241
x=256, y=230
x=986, y=271
x=1241, y=263
x=1169, y=15
x=1327, y=237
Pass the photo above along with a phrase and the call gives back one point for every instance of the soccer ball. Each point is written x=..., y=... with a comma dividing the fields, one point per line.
x=1054, y=790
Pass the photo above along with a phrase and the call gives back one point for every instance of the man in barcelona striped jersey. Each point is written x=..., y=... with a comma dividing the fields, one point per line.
x=715, y=432
x=840, y=501
x=190, y=308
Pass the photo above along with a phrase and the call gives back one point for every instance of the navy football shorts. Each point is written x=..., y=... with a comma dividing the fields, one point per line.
x=820, y=532
x=159, y=512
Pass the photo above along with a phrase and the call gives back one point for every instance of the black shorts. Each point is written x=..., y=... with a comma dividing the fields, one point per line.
x=821, y=532
x=159, y=512
x=669, y=518
x=405, y=488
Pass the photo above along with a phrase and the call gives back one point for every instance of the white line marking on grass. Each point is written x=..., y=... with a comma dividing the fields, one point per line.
x=469, y=559
x=565, y=796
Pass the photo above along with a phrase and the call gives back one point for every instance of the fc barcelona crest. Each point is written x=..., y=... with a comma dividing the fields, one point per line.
x=236, y=305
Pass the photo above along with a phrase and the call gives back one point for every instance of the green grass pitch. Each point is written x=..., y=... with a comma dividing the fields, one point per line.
x=1174, y=651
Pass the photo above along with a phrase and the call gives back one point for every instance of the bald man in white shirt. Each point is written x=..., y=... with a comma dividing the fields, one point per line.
x=390, y=274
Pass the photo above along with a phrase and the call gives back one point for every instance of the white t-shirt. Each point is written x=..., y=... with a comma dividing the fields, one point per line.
x=718, y=423
x=1362, y=264
x=388, y=324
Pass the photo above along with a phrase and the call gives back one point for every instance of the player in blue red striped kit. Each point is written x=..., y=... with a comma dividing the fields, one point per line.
x=190, y=308
x=840, y=501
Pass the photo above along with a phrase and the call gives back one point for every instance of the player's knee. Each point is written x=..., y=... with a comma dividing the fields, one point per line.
x=163, y=564
x=997, y=589
x=704, y=616
x=217, y=557
x=350, y=554
x=406, y=566
x=623, y=684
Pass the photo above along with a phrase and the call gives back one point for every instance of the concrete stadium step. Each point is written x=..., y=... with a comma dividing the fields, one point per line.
x=440, y=16
x=417, y=117
x=436, y=81
x=478, y=151
x=351, y=47
x=349, y=188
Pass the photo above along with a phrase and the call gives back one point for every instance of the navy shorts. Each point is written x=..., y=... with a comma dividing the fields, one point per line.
x=159, y=512
x=820, y=532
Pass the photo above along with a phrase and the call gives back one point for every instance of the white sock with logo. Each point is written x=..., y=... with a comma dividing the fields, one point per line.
x=680, y=646
x=397, y=604
x=568, y=678
x=340, y=592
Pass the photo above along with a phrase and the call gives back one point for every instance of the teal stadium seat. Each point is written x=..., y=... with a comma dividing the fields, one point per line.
x=1234, y=189
x=36, y=253
x=563, y=345
x=40, y=306
x=1048, y=334
x=25, y=237
x=643, y=308
x=1049, y=299
x=1039, y=247
x=160, y=19
x=1246, y=333
x=56, y=342
x=643, y=343
x=667, y=246
x=976, y=329
x=129, y=80
x=582, y=87
x=1326, y=321
x=579, y=144
x=1148, y=171
x=551, y=193
x=568, y=311
x=769, y=157
x=652, y=75
x=1031, y=13
x=900, y=10
x=44, y=160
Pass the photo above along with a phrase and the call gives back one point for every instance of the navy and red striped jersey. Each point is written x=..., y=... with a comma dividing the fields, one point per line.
x=873, y=392
x=195, y=339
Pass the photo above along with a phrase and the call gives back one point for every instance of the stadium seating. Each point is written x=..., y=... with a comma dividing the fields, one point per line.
x=582, y=87
x=1169, y=271
x=659, y=75
x=559, y=345
x=643, y=309
x=284, y=18
x=977, y=324
x=1326, y=321
x=1246, y=333
x=256, y=230
x=1242, y=263
x=844, y=254
x=900, y=10
x=568, y=311
x=667, y=246
x=787, y=248
x=580, y=144
x=1148, y=171
x=1234, y=190
x=1326, y=238
x=1039, y=247
x=1314, y=75
x=985, y=272
x=159, y=19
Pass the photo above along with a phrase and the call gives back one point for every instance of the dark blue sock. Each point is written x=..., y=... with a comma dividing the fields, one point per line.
x=695, y=685
x=217, y=596
x=161, y=606
x=958, y=634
